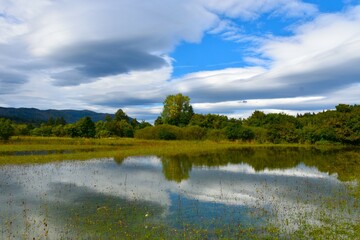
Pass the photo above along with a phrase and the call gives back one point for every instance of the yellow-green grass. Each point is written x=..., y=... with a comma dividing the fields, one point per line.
x=30, y=150
x=98, y=148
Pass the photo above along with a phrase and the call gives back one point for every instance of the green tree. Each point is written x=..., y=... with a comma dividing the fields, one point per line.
x=6, y=129
x=124, y=129
x=101, y=129
x=257, y=119
x=177, y=110
x=343, y=108
x=237, y=131
x=143, y=124
x=121, y=115
x=51, y=121
x=85, y=127
x=158, y=121
x=60, y=121
x=44, y=130
x=212, y=121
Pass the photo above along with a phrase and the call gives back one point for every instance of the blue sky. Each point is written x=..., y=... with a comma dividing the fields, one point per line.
x=214, y=52
x=231, y=57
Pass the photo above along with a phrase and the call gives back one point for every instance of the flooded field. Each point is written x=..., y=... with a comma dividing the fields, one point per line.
x=242, y=193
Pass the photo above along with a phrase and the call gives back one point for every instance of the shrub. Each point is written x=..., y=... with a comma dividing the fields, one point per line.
x=216, y=135
x=163, y=132
x=193, y=133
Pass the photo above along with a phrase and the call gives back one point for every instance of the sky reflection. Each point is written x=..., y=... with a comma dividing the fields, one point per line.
x=280, y=194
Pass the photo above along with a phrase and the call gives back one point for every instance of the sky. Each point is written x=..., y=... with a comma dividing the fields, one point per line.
x=230, y=57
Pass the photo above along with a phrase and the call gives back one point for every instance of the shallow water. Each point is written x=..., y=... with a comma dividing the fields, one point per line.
x=210, y=195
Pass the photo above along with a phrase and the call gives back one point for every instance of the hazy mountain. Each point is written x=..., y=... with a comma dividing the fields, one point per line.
x=33, y=115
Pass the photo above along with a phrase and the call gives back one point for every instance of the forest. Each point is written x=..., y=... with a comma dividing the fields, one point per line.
x=178, y=121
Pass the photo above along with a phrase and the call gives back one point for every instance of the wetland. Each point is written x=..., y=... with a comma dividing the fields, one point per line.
x=131, y=189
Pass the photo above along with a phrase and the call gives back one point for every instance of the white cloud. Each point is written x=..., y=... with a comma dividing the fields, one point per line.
x=140, y=23
x=15, y=14
x=312, y=70
x=248, y=9
x=87, y=54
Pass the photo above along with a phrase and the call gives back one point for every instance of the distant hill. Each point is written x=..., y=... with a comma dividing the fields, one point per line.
x=36, y=116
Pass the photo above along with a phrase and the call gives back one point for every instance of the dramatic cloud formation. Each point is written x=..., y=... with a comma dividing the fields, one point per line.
x=105, y=55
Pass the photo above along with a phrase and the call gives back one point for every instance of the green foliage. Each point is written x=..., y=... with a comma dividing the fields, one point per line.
x=85, y=127
x=59, y=131
x=22, y=129
x=209, y=121
x=143, y=124
x=121, y=115
x=158, y=121
x=44, y=131
x=177, y=110
x=257, y=119
x=193, y=133
x=160, y=132
x=340, y=126
x=6, y=129
x=167, y=133
x=236, y=131
x=170, y=132
x=344, y=108
x=124, y=129
x=216, y=135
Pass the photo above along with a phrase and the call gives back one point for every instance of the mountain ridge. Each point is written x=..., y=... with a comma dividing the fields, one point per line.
x=37, y=116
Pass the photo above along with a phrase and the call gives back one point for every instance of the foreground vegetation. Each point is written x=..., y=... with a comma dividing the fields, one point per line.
x=28, y=150
x=23, y=150
x=98, y=215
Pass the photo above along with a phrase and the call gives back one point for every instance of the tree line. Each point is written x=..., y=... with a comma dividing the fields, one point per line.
x=178, y=121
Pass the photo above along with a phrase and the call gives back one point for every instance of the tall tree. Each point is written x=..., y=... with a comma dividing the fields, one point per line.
x=85, y=127
x=6, y=129
x=177, y=110
x=121, y=115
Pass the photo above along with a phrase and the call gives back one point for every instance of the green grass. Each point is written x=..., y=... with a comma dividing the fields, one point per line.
x=27, y=150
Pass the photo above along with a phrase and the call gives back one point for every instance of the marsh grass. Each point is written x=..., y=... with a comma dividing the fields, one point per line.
x=112, y=218
x=83, y=149
x=30, y=150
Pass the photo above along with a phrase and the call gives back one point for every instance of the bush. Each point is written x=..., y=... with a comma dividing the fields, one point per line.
x=163, y=132
x=216, y=135
x=103, y=134
x=237, y=131
x=193, y=133
x=43, y=131
x=260, y=134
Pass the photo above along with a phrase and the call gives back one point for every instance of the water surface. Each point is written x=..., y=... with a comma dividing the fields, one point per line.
x=221, y=195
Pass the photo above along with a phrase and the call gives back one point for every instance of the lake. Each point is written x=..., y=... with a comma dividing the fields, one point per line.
x=264, y=192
